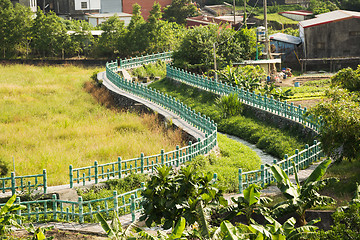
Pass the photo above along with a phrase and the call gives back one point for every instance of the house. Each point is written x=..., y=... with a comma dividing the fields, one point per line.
x=226, y=21
x=331, y=35
x=146, y=6
x=71, y=9
x=32, y=4
x=299, y=15
x=285, y=44
x=96, y=19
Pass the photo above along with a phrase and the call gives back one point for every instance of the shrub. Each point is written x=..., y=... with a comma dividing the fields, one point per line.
x=346, y=225
x=230, y=105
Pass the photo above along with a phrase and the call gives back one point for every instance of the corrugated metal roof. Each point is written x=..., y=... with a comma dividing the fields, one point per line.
x=329, y=17
x=282, y=37
x=300, y=12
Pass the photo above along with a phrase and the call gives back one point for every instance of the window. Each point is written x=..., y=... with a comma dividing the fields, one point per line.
x=83, y=5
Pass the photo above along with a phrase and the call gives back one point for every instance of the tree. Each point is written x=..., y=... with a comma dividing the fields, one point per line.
x=111, y=41
x=49, y=35
x=340, y=131
x=179, y=10
x=300, y=198
x=196, y=49
x=14, y=27
x=318, y=7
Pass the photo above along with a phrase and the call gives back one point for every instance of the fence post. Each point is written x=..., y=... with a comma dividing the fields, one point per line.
x=71, y=175
x=96, y=172
x=262, y=175
x=119, y=166
x=316, y=151
x=81, y=217
x=45, y=180
x=240, y=181
x=116, y=202
x=190, y=150
x=287, y=165
x=177, y=156
x=54, y=200
x=142, y=162
x=297, y=159
x=307, y=155
x=132, y=208
x=13, y=183
x=162, y=157
x=18, y=212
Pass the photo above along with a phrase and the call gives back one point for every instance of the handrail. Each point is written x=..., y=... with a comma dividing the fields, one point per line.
x=24, y=183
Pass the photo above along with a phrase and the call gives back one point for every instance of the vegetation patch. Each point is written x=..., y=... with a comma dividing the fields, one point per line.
x=48, y=122
x=267, y=137
x=233, y=155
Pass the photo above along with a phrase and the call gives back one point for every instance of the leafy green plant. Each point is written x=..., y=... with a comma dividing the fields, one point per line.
x=230, y=105
x=8, y=216
x=39, y=232
x=248, y=204
x=170, y=196
x=300, y=198
x=115, y=230
x=177, y=232
x=274, y=230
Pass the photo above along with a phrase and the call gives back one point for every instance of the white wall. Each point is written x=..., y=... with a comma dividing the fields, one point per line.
x=91, y=4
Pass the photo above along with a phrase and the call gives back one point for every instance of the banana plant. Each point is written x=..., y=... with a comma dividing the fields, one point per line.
x=8, y=216
x=275, y=231
x=302, y=197
x=249, y=203
x=115, y=230
x=177, y=232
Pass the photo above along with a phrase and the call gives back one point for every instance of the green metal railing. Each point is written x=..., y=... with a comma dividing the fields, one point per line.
x=264, y=175
x=138, y=61
x=56, y=209
x=148, y=163
x=27, y=183
x=295, y=113
x=129, y=202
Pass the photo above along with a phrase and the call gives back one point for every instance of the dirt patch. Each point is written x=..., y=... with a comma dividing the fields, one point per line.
x=290, y=82
x=60, y=235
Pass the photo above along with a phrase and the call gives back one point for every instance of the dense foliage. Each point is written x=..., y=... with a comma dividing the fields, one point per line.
x=179, y=10
x=169, y=196
x=24, y=34
x=340, y=133
x=197, y=47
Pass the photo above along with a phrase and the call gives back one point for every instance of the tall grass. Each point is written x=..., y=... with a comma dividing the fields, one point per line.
x=49, y=121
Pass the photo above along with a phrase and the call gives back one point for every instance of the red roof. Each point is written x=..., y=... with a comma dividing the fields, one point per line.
x=299, y=12
x=329, y=17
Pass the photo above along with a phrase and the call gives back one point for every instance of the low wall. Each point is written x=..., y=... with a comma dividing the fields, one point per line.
x=129, y=104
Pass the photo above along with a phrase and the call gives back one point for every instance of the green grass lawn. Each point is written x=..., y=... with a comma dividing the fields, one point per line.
x=48, y=121
x=277, y=18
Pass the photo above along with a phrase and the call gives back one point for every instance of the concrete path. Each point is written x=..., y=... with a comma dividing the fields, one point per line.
x=95, y=228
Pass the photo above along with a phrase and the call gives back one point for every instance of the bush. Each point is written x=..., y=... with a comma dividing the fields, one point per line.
x=230, y=105
x=346, y=225
x=4, y=167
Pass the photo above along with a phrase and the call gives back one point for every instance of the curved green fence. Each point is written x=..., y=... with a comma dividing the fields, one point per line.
x=263, y=176
x=55, y=209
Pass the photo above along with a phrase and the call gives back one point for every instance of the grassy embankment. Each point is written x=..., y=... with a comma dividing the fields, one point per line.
x=267, y=137
x=48, y=121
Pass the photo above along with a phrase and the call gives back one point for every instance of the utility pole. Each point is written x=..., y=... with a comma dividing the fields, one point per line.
x=215, y=68
x=234, y=12
x=266, y=31
x=244, y=16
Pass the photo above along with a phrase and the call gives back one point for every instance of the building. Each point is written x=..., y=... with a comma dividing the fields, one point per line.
x=96, y=19
x=32, y=4
x=299, y=15
x=71, y=9
x=331, y=35
x=226, y=21
x=146, y=5
x=285, y=44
